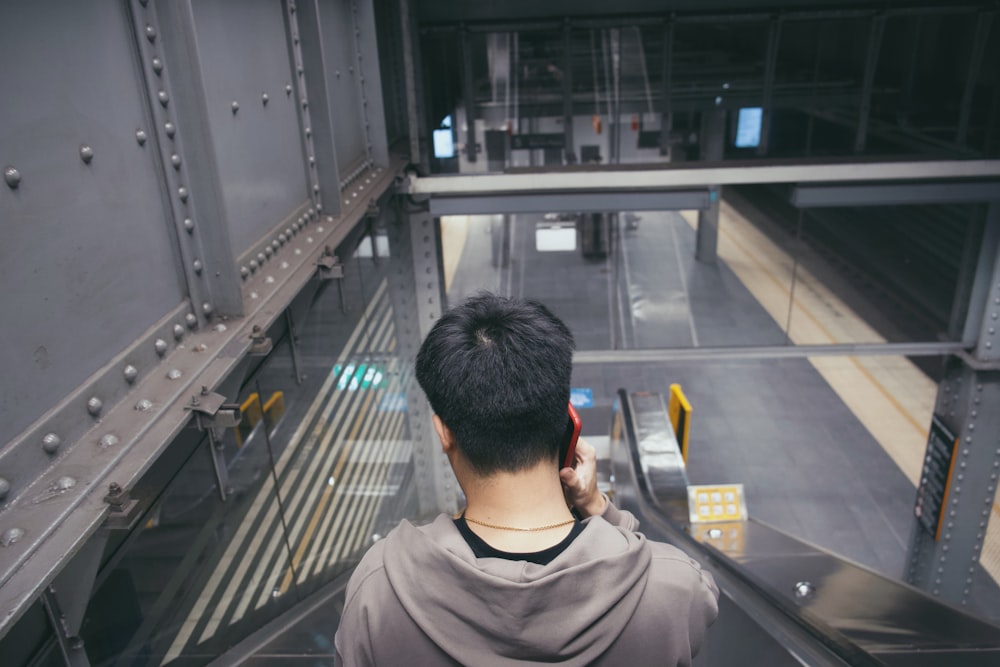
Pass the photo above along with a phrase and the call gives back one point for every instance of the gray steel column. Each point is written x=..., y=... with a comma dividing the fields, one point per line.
x=569, y=150
x=972, y=74
x=871, y=62
x=770, y=65
x=945, y=561
x=666, y=112
x=712, y=138
x=468, y=96
x=307, y=31
x=369, y=80
x=408, y=24
x=168, y=51
x=438, y=490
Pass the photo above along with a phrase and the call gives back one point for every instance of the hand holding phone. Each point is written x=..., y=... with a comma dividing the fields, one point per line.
x=567, y=449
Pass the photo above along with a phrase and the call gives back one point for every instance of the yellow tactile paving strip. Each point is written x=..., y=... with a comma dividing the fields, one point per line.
x=889, y=395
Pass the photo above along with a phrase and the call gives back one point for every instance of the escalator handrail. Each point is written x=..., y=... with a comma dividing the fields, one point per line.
x=651, y=512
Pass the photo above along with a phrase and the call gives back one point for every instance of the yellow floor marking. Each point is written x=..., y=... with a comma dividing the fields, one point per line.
x=889, y=395
x=454, y=232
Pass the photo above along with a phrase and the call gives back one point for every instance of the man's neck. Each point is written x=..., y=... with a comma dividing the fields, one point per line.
x=530, y=498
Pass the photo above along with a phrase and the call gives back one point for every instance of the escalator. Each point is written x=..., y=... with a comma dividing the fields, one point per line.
x=783, y=601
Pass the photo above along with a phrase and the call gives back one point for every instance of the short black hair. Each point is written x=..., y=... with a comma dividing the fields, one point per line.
x=497, y=372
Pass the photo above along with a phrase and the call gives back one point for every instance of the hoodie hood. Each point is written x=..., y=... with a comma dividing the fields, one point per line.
x=518, y=611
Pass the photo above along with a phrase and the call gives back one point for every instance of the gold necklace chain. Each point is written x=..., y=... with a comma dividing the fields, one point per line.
x=520, y=530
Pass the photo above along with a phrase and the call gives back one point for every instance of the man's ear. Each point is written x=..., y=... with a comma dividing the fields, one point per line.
x=445, y=435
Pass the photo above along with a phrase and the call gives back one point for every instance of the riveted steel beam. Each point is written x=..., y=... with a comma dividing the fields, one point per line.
x=892, y=194
x=167, y=49
x=701, y=175
x=369, y=82
x=58, y=511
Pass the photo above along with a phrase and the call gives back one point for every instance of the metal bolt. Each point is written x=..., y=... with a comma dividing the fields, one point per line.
x=282, y=239
x=140, y=136
x=4, y=488
x=131, y=373
x=178, y=331
x=114, y=489
x=170, y=129
x=157, y=66
x=150, y=33
x=144, y=405
x=86, y=153
x=268, y=251
x=163, y=97
x=189, y=225
x=316, y=188
x=160, y=346
x=288, y=89
x=206, y=308
x=182, y=192
x=253, y=265
x=175, y=160
x=312, y=160
x=197, y=266
x=11, y=536
x=235, y=106
x=12, y=176
x=51, y=443
x=804, y=589
x=264, y=98
x=244, y=272
x=94, y=406
x=174, y=374
x=191, y=320
x=305, y=103
x=275, y=244
x=289, y=232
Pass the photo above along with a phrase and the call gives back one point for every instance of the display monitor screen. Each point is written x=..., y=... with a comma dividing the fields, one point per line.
x=748, y=127
x=444, y=144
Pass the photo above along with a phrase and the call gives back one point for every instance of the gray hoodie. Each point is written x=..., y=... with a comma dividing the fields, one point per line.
x=420, y=597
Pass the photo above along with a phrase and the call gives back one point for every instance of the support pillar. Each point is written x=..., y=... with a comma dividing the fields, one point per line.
x=956, y=494
x=437, y=488
x=712, y=137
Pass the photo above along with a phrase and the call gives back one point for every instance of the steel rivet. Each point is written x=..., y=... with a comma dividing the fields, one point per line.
x=11, y=536
x=275, y=244
x=288, y=89
x=160, y=346
x=174, y=374
x=178, y=331
x=150, y=33
x=131, y=373
x=282, y=239
x=51, y=443
x=309, y=239
x=163, y=97
x=182, y=192
x=264, y=98
x=235, y=106
x=4, y=488
x=169, y=128
x=269, y=280
x=312, y=160
x=253, y=295
x=253, y=265
x=157, y=66
x=197, y=266
x=261, y=258
x=316, y=189
x=191, y=320
x=308, y=131
x=305, y=103
x=109, y=440
x=94, y=406
x=86, y=153
x=288, y=232
x=206, y=308
x=12, y=176
x=144, y=405
x=175, y=160
x=189, y=225
x=140, y=136
x=268, y=251
x=244, y=272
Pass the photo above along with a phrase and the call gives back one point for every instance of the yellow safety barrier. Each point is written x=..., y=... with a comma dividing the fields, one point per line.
x=680, y=417
x=251, y=412
x=274, y=409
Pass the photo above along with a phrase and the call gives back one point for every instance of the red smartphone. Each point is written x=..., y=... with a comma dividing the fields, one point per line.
x=567, y=450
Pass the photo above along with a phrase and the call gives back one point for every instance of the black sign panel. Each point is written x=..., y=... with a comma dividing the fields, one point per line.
x=518, y=141
x=932, y=493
